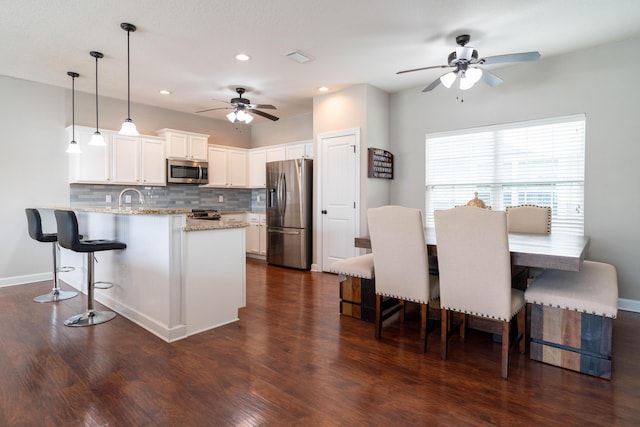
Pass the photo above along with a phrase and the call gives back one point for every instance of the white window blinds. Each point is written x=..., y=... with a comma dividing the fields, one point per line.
x=538, y=162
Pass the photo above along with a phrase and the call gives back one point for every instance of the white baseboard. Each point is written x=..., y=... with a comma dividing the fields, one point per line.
x=21, y=280
x=629, y=305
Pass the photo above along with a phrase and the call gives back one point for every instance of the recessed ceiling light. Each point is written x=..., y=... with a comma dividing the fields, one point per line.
x=323, y=89
x=165, y=92
x=243, y=57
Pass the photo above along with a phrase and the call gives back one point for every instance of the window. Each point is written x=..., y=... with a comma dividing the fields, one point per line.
x=538, y=162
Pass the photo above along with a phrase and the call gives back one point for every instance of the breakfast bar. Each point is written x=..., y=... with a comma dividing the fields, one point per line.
x=178, y=276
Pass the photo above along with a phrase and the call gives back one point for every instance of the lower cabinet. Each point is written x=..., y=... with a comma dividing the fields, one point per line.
x=257, y=234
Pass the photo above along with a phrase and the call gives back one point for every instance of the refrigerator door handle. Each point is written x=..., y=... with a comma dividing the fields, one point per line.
x=270, y=230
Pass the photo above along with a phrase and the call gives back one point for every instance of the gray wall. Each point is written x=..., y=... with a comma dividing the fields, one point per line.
x=285, y=130
x=33, y=171
x=601, y=82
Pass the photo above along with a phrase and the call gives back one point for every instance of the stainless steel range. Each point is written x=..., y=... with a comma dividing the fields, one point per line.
x=208, y=214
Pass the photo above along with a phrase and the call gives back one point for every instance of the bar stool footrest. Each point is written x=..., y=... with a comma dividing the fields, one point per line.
x=103, y=285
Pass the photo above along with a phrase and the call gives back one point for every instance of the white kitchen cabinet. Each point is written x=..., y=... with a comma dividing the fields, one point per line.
x=153, y=169
x=263, y=234
x=93, y=165
x=257, y=169
x=185, y=145
x=217, y=166
x=227, y=167
x=256, y=234
x=138, y=160
x=299, y=150
x=237, y=168
x=126, y=160
x=276, y=153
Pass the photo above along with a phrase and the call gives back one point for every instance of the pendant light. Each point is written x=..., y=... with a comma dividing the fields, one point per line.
x=73, y=147
x=128, y=127
x=97, y=139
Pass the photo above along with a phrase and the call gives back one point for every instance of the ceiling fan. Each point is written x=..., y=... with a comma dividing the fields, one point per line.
x=242, y=107
x=465, y=63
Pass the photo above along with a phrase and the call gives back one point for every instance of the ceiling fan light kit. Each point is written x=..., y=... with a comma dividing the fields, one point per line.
x=465, y=61
x=128, y=127
x=242, y=107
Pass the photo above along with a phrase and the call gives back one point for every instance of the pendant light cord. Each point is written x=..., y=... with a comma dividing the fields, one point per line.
x=73, y=108
x=128, y=79
x=97, y=127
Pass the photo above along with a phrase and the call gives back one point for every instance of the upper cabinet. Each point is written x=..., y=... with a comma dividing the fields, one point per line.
x=257, y=170
x=299, y=150
x=227, y=167
x=185, y=145
x=276, y=153
x=124, y=160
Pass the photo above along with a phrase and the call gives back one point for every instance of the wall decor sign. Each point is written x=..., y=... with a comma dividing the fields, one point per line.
x=380, y=163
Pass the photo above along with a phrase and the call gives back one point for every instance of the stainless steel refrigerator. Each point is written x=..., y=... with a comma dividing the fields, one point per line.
x=289, y=187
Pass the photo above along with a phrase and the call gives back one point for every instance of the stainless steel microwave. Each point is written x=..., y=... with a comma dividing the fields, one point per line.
x=187, y=171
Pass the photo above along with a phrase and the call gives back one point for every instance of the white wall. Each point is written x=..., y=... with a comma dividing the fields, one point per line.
x=601, y=82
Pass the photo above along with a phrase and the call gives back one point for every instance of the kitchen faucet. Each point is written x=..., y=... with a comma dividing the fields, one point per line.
x=141, y=197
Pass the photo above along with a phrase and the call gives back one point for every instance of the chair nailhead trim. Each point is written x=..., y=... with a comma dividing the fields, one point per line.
x=571, y=309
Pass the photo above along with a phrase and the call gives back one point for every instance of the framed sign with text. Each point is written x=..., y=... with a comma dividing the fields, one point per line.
x=380, y=163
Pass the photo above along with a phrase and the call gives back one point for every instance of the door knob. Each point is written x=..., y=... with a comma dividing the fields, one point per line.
x=324, y=212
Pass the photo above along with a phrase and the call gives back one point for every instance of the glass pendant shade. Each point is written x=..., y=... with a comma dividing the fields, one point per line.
x=73, y=148
x=448, y=79
x=248, y=118
x=232, y=116
x=471, y=77
x=240, y=115
x=129, y=128
x=97, y=140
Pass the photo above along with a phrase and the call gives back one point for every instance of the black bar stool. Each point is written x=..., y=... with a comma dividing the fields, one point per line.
x=34, y=222
x=69, y=238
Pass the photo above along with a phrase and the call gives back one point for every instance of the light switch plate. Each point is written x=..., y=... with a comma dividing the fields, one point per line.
x=127, y=198
x=108, y=198
x=221, y=198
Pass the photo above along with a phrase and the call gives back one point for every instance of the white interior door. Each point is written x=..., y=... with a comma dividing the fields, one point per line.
x=339, y=195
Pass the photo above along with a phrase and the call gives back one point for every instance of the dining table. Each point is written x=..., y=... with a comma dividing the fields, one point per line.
x=558, y=251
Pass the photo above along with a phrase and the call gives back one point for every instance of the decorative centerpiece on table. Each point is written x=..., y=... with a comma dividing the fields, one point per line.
x=476, y=202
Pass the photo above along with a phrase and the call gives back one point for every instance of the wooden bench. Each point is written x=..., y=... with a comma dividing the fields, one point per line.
x=572, y=317
x=357, y=286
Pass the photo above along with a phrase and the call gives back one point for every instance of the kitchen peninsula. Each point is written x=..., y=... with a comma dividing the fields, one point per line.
x=177, y=277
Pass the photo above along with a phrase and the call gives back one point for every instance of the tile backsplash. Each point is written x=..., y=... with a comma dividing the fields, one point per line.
x=172, y=196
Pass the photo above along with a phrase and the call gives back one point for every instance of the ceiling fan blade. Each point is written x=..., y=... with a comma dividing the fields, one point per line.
x=511, y=57
x=266, y=115
x=213, y=109
x=423, y=68
x=490, y=78
x=432, y=86
x=263, y=106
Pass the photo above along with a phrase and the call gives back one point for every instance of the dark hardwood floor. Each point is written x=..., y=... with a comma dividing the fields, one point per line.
x=292, y=359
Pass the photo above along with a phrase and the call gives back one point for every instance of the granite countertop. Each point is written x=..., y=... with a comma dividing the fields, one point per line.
x=142, y=210
x=207, y=224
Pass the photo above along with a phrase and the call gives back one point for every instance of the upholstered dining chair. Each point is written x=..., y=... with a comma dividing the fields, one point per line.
x=401, y=263
x=530, y=219
x=475, y=275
